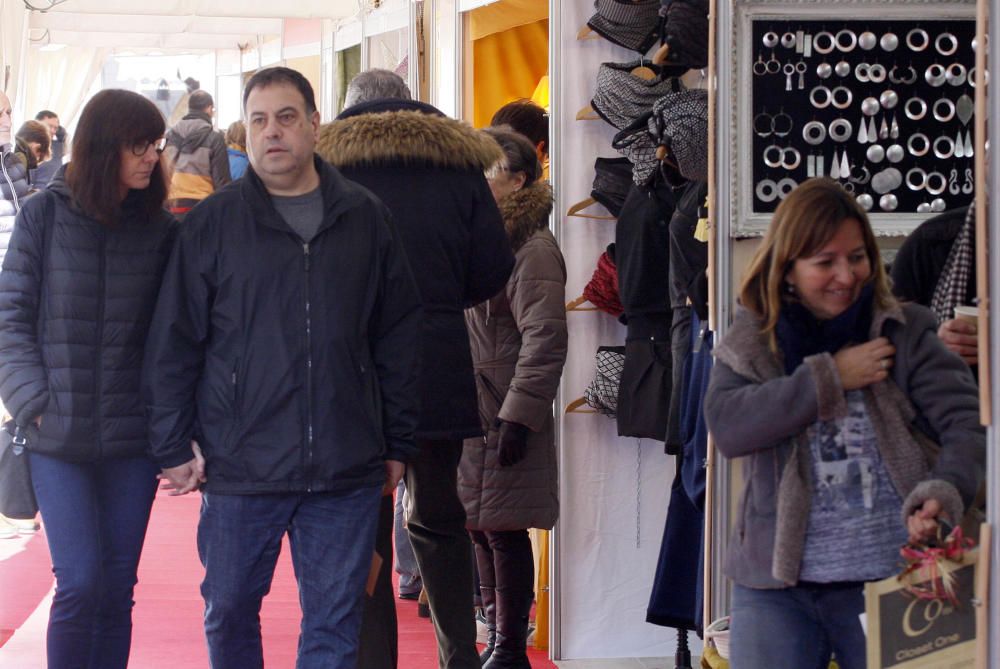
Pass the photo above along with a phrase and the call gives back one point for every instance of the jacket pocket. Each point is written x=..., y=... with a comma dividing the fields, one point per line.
x=235, y=413
x=490, y=401
x=371, y=396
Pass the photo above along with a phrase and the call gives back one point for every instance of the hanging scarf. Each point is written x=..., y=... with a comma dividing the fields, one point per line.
x=621, y=97
x=949, y=292
x=800, y=334
x=612, y=181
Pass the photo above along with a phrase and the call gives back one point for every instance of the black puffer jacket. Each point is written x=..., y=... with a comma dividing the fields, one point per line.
x=428, y=169
x=14, y=189
x=293, y=364
x=76, y=299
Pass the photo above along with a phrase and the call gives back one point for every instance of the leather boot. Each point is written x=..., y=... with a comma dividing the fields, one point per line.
x=490, y=611
x=515, y=576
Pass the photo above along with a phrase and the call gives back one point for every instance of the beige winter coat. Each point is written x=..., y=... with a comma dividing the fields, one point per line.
x=518, y=349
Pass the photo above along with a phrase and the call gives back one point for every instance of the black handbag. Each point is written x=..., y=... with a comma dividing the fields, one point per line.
x=17, y=497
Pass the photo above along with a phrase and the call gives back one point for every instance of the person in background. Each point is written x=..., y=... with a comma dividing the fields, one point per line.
x=531, y=120
x=283, y=346
x=197, y=156
x=77, y=293
x=816, y=384
x=428, y=169
x=16, y=500
x=236, y=142
x=936, y=267
x=35, y=142
x=508, y=480
x=48, y=169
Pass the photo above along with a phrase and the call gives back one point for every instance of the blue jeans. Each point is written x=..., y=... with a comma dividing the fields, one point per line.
x=332, y=538
x=95, y=516
x=797, y=627
x=406, y=561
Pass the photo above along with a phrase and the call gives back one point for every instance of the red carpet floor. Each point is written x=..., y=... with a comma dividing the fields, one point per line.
x=168, y=611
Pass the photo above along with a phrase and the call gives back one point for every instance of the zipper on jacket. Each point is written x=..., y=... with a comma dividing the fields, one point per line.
x=98, y=372
x=309, y=377
x=10, y=182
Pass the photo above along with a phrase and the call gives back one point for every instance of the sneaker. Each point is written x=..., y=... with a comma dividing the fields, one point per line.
x=482, y=632
x=7, y=531
x=24, y=525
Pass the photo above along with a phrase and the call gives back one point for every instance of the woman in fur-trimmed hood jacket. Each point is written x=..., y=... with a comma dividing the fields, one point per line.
x=508, y=480
x=831, y=392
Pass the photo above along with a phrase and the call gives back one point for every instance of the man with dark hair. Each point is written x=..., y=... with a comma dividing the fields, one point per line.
x=428, y=169
x=282, y=350
x=197, y=153
x=529, y=119
x=48, y=169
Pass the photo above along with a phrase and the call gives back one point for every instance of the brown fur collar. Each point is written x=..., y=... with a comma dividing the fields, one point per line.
x=526, y=211
x=408, y=138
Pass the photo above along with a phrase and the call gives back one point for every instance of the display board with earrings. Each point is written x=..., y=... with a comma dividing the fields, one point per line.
x=883, y=106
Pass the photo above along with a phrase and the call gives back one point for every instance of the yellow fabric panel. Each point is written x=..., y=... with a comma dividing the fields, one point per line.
x=505, y=15
x=185, y=186
x=542, y=592
x=507, y=66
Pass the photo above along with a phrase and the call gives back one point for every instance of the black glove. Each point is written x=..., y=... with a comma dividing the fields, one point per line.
x=512, y=443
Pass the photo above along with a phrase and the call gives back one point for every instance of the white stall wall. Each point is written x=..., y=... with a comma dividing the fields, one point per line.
x=614, y=491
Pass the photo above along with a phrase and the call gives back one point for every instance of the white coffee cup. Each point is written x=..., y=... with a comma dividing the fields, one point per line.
x=967, y=312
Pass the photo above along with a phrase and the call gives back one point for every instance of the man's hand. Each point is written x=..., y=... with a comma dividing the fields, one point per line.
x=188, y=477
x=862, y=365
x=922, y=524
x=960, y=336
x=394, y=470
x=512, y=443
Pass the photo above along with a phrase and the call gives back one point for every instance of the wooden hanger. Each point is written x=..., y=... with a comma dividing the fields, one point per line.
x=660, y=57
x=643, y=72
x=583, y=204
x=576, y=406
x=575, y=305
x=586, y=32
x=587, y=114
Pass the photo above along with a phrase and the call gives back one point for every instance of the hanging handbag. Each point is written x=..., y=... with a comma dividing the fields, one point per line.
x=602, y=393
x=17, y=498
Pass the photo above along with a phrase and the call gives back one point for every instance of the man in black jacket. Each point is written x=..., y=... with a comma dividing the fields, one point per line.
x=284, y=346
x=428, y=169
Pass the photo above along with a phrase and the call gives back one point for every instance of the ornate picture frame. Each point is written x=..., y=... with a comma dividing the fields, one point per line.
x=736, y=85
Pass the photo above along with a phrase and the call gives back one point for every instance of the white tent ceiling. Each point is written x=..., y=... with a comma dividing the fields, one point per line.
x=176, y=24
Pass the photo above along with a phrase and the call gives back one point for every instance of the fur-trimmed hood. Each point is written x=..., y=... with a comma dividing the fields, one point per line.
x=402, y=132
x=526, y=211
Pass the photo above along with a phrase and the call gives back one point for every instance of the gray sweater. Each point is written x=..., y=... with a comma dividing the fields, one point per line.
x=754, y=410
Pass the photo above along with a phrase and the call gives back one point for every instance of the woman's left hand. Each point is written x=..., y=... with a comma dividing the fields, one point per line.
x=923, y=522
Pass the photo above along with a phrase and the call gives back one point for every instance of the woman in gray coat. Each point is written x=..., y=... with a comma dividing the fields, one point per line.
x=507, y=479
x=828, y=387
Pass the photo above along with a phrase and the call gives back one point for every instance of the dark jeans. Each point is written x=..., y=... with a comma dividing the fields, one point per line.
x=378, y=642
x=95, y=517
x=436, y=523
x=332, y=538
x=797, y=627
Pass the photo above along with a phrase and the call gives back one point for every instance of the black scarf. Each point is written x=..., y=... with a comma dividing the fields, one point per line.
x=800, y=334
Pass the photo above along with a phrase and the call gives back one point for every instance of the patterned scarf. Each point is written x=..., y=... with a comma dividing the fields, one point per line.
x=950, y=289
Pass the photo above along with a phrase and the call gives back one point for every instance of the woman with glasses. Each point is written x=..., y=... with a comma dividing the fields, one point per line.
x=76, y=296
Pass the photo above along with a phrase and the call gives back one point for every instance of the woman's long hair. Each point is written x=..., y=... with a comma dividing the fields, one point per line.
x=111, y=123
x=804, y=223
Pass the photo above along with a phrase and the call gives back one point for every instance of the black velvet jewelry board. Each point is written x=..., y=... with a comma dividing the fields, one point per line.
x=771, y=97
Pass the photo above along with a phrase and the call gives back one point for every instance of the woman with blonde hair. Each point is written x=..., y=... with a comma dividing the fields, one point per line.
x=825, y=385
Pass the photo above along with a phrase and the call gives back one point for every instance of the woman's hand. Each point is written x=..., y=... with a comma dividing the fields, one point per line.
x=923, y=522
x=862, y=365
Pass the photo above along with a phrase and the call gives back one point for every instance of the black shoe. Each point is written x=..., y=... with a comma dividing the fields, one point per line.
x=411, y=596
x=424, y=610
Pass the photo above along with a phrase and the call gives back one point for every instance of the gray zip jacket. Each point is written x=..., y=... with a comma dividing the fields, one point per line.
x=755, y=411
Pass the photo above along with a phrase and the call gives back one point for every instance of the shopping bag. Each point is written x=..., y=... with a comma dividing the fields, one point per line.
x=906, y=631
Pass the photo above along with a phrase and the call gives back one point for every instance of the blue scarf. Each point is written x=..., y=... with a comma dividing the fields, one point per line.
x=800, y=334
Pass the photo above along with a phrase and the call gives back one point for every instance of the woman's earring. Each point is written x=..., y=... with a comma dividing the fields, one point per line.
x=789, y=288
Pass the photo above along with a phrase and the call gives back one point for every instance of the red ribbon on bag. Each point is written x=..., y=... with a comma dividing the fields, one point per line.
x=934, y=565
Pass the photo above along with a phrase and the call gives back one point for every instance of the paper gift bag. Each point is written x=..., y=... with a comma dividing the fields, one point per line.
x=906, y=632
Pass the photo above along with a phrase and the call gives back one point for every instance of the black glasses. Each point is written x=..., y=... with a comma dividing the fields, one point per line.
x=140, y=148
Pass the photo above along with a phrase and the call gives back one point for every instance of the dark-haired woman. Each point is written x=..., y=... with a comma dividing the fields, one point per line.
x=508, y=479
x=76, y=296
x=824, y=384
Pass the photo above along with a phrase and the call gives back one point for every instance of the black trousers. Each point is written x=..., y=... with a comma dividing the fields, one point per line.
x=441, y=544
